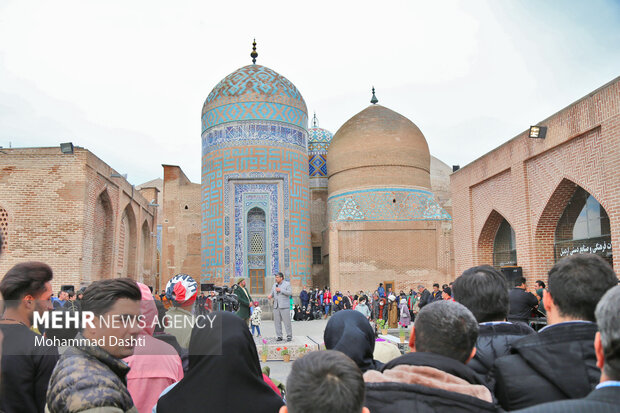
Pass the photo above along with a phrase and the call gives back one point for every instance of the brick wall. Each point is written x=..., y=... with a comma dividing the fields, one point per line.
x=181, y=225
x=63, y=209
x=363, y=254
x=530, y=181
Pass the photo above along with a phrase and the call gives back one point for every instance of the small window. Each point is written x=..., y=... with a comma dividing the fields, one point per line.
x=186, y=207
x=317, y=258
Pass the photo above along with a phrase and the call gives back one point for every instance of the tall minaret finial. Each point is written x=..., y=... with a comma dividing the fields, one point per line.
x=315, y=121
x=374, y=99
x=254, y=55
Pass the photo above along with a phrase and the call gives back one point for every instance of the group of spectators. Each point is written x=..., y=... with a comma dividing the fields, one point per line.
x=464, y=355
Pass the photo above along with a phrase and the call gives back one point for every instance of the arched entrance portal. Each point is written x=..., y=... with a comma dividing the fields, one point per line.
x=583, y=228
x=257, y=257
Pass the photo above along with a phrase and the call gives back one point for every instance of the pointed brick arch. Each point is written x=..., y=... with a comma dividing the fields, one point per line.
x=127, y=251
x=544, y=236
x=103, y=239
x=146, y=247
x=487, y=237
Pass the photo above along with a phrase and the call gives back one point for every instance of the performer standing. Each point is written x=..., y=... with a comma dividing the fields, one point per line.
x=280, y=293
x=245, y=301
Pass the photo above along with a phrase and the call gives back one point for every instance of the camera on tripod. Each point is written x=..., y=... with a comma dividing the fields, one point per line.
x=224, y=300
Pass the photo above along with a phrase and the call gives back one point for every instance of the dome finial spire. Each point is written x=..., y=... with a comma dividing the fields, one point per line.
x=254, y=55
x=374, y=99
x=315, y=121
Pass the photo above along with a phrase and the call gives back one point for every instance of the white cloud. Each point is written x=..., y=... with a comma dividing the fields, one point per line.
x=127, y=79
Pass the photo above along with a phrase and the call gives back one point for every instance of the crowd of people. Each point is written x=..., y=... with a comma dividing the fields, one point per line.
x=396, y=310
x=464, y=352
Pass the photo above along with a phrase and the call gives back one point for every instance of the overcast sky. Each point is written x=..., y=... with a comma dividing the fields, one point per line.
x=127, y=79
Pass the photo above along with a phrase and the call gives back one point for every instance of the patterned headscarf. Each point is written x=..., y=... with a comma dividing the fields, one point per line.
x=181, y=290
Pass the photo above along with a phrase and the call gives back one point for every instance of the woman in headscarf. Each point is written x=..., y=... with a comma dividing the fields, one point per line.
x=349, y=332
x=393, y=312
x=224, y=372
x=154, y=365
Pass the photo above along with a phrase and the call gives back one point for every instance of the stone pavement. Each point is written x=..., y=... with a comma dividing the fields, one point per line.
x=306, y=331
x=310, y=332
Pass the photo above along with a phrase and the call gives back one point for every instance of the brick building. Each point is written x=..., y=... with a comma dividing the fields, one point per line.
x=181, y=225
x=74, y=212
x=532, y=201
x=385, y=223
x=267, y=203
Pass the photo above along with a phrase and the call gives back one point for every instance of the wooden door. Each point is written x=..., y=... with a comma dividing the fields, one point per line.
x=257, y=282
x=388, y=285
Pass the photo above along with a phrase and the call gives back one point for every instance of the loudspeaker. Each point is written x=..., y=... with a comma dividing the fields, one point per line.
x=511, y=273
x=206, y=287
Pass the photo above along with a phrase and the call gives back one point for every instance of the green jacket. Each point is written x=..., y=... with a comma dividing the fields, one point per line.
x=244, y=302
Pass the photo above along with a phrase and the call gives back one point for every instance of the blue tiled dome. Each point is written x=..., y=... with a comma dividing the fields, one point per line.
x=254, y=92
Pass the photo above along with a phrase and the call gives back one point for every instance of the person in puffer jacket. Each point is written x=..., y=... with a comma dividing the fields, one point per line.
x=90, y=376
x=434, y=377
x=484, y=291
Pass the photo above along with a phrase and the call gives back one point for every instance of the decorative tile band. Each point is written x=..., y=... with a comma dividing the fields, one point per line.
x=254, y=133
x=318, y=147
x=240, y=111
x=385, y=204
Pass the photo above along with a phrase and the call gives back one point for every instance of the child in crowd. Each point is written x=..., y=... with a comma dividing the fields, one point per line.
x=405, y=316
x=255, y=318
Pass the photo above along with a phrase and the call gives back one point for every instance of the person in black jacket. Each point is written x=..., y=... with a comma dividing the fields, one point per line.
x=522, y=302
x=434, y=377
x=559, y=362
x=484, y=291
x=436, y=294
x=606, y=397
x=425, y=296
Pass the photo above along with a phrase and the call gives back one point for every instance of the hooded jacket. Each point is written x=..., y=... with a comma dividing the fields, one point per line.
x=154, y=366
x=556, y=364
x=426, y=382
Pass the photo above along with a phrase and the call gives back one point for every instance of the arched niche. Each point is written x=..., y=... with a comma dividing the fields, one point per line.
x=496, y=243
x=127, y=244
x=146, y=247
x=583, y=227
x=103, y=237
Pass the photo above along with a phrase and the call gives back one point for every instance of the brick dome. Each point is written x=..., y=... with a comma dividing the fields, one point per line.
x=378, y=148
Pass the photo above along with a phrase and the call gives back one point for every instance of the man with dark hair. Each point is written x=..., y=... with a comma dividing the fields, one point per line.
x=521, y=301
x=434, y=376
x=60, y=302
x=436, y=294
x=484, y=291
x=606, y=397
x=425, y=296
x=91, y=374
x=381, y=291
x=559, y=362
x=281, y=293
x=26, y=365
x=324, y=381
x=71, y=304
x=539, y=289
